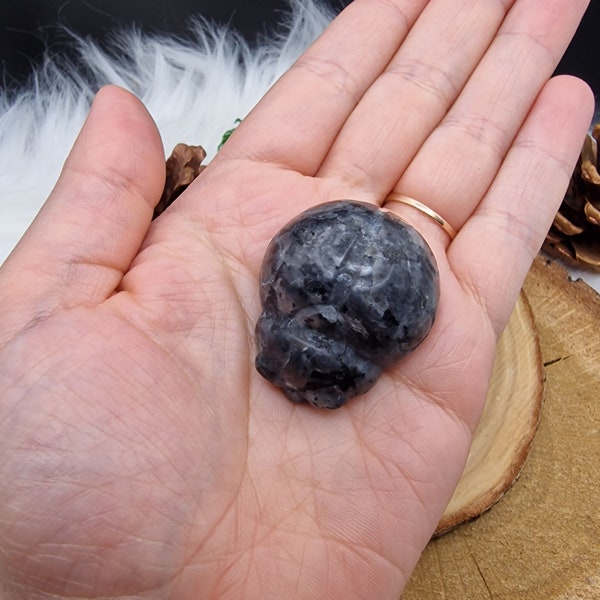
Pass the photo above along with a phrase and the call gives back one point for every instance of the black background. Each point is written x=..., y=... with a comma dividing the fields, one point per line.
x=30, y=28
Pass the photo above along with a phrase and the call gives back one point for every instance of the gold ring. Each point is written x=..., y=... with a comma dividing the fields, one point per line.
x=425, y=210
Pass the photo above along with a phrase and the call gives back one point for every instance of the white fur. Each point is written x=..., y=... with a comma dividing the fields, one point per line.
x=194, y=90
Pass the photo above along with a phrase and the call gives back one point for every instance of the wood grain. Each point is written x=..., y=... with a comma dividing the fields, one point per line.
x=541, y=541
x=508, y=424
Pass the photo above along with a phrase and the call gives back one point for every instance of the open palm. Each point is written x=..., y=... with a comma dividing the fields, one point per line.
x=141, y=455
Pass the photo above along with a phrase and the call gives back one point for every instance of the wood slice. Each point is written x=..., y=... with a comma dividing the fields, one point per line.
x=508, y=424
x=542, y=540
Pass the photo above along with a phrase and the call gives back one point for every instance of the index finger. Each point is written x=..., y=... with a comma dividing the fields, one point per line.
x=314, y=98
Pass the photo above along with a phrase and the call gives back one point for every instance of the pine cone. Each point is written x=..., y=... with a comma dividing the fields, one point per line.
x=574, y=236
x=183, y=166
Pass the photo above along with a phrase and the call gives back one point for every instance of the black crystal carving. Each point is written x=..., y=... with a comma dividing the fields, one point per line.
x=347, y=289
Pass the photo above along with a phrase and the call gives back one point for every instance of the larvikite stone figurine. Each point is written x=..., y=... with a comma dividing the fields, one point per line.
x=347, y=289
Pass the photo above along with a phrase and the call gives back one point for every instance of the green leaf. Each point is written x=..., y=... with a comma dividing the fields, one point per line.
x=228, y=133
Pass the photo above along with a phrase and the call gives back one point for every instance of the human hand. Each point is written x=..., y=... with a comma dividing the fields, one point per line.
x=141, y=455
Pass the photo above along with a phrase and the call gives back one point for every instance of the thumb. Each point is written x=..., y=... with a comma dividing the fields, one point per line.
x=95, y=219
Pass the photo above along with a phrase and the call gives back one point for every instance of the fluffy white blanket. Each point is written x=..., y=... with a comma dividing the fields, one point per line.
x=194, y=90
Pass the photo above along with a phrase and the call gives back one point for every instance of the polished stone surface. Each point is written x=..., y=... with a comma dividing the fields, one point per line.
x=346, y=290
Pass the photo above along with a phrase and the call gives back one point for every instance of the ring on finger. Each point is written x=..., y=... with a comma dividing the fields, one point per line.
x=425, y=210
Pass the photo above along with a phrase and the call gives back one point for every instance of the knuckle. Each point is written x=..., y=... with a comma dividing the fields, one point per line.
x=426, y=77
x=330, y=75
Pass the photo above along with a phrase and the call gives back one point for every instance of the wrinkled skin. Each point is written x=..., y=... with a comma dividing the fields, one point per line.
x=141, y=455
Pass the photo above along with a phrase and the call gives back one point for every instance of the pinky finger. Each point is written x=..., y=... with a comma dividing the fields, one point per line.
x=495, y=248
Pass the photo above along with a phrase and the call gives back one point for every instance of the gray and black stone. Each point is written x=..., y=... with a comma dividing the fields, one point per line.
x=347, y=289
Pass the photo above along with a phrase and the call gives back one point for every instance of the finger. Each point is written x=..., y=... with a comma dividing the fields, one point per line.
x=405, y=104
x=296, y=122
x=96, y=217
x=495, y=248
x=458, y=162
